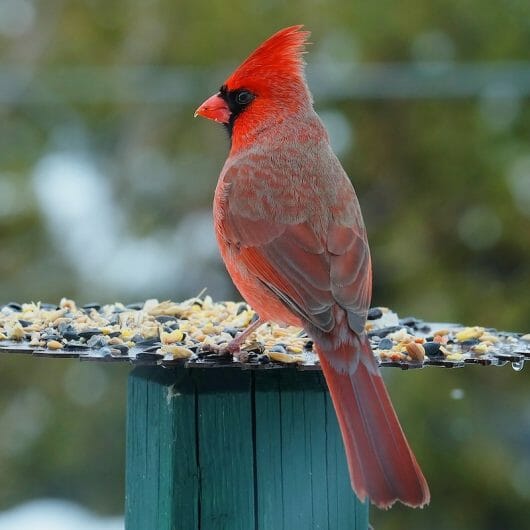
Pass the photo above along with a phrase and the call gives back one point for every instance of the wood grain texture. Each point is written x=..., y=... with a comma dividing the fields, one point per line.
x=162, y=478
x=301, y=470
x=226, y=449
x=226, y=454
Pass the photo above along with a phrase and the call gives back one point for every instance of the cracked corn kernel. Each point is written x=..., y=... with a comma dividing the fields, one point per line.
x=127, y=333
x=15, y=331
x=178, y=352
x=171, y=338
x=209, y=329
x=469, y=333
x=285, y=357
x=294, y=349
x=488, y=338
x=480, y=349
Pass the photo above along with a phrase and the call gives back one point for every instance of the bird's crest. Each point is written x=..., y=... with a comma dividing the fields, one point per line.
x=280, y=56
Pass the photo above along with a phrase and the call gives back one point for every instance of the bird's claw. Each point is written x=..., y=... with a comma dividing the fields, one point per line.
x=230, y=349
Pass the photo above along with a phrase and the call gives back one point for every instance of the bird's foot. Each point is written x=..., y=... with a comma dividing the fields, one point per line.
x=214, y=352
x=232, y=348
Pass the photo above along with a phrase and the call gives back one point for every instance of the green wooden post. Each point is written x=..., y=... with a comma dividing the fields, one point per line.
x=228, y=449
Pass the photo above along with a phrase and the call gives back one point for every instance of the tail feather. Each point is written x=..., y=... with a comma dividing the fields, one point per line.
x=381, y=463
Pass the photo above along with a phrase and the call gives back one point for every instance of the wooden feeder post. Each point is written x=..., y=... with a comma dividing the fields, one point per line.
x=229, y=449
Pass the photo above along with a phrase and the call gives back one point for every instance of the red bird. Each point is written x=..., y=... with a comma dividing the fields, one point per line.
x=291, y=234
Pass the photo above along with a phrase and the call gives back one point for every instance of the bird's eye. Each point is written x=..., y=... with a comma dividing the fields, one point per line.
x=244, y=97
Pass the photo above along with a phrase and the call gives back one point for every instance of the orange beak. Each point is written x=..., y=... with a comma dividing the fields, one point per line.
x=214, y=108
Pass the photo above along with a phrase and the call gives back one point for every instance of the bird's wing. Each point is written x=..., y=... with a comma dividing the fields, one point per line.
x=311, y=273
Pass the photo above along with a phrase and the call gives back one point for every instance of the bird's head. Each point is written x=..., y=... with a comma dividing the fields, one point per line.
x=266, y=87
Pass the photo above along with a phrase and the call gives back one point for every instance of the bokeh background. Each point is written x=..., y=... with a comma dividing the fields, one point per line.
x=106, y=184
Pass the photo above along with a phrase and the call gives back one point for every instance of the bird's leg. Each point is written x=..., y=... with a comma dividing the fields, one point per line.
x=235, y=345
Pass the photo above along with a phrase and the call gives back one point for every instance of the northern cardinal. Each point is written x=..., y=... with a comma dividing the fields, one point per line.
x=291, y=234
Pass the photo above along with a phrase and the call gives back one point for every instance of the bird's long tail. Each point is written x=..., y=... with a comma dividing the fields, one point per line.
x=381, y=463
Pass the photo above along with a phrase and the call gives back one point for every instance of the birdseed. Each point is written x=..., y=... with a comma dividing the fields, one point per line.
x=195, y=332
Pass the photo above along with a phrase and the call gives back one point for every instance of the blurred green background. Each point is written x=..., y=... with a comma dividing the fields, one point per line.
x=106, y=185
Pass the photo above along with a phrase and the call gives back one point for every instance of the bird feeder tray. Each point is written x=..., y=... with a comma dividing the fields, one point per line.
x=192, y=334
